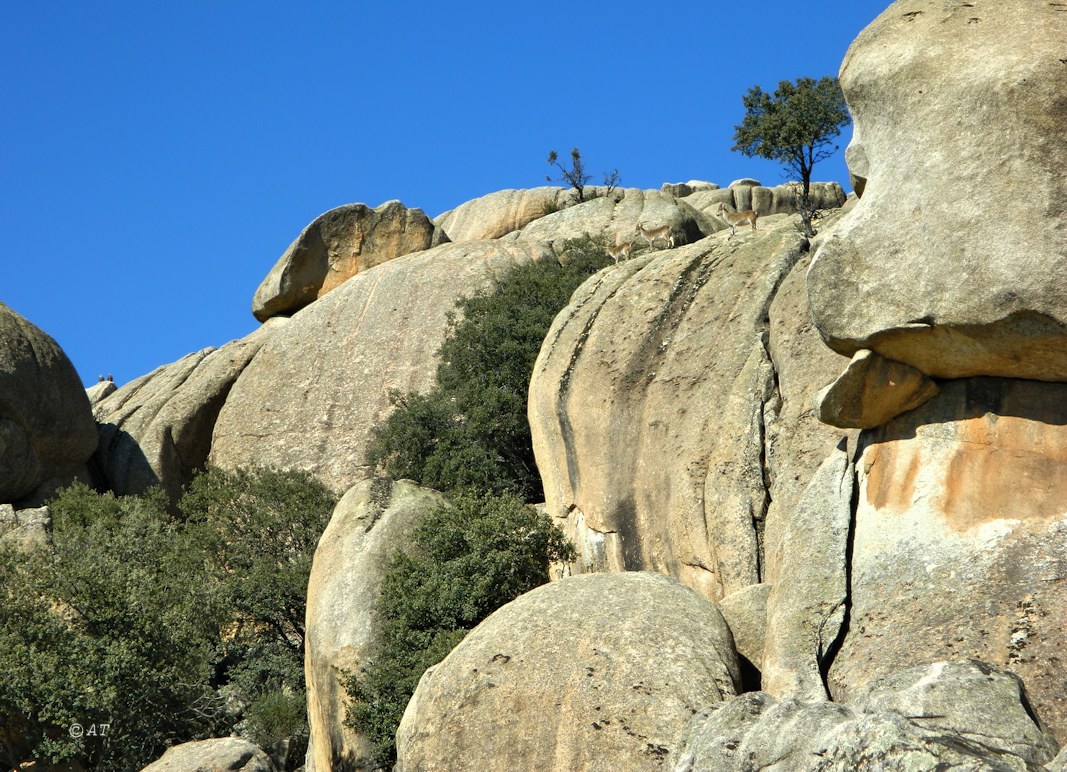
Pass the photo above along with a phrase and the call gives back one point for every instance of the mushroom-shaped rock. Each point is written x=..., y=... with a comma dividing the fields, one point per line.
x=47, y=431
x=954, y=260
x=370, y=522
x=601, y=671
x=335, y=247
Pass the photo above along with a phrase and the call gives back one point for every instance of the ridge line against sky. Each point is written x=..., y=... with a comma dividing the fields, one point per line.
x=159, y=158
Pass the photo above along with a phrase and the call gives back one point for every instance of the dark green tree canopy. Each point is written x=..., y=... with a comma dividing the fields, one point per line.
x=796, y=125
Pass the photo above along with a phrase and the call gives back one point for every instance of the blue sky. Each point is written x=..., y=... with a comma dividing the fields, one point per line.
x=157, y=158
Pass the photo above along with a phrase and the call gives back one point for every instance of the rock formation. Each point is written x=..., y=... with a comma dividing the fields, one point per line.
x=946, y=715
x=335, y=247
x=156, y=430
x=749, y=194
x=654, y=401
x=223, y=754
x=47, y=432
x=500, y=213
x=954, y=258
x=619, y=215
x=371, y=521
x=960, y=545
x=591, y=672
x=311, y=395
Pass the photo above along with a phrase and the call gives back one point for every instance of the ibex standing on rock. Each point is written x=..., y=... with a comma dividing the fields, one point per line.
x=733, y=219
x=620, y=250
x=652, y=234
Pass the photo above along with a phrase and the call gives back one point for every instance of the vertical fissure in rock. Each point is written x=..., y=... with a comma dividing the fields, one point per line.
x=834, y=646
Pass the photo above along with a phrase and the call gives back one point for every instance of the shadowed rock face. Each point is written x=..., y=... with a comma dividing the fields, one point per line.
x=954, y=260
x=960, y=546
x=590, y=672
x=46, y=424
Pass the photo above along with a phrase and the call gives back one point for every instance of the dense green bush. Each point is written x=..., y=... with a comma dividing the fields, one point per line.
x=468, y=437
x=160, y=628
x=471, y=430
x=468, y=560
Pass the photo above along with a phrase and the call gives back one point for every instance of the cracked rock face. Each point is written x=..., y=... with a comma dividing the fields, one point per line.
x=46, y=424
x=946, y=715
x=654, y=408
x=591, y=672
x=954, y=260
x=960, y=545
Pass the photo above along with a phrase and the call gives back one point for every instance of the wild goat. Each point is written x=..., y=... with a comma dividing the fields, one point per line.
x=620, y=250
x=733, y=219
x=651, y=235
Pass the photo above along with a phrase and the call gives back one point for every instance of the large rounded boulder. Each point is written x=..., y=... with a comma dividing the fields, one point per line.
x=47, y=430
x=955, y=257
x=601, y=671
x=336, y=246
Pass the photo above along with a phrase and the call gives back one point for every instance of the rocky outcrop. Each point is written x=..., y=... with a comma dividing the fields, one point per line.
x=157, y=429
x=872, y=390
x=98, y=391
x=371, y=521
x=796, y=441
x=223, y=754
x=960, y=546
x=500, y=213
x=806, y=607
x=961, y=97
x=335, y=247
x=745, y=611
x=27, y=529
x=47, y=432
x=948, y=715
x=683, y=189
x=618, y=216
x=781, y=199
x=313, y=393
x=654, y=402
x=590, y=672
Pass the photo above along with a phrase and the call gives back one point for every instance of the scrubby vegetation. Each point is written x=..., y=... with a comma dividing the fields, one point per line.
x=140, y=628
x=468, y=560
x=471, y=430
x=470, y=438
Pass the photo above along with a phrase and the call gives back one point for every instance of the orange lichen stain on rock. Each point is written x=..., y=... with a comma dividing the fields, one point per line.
x=892, y=468
x=1004, y=468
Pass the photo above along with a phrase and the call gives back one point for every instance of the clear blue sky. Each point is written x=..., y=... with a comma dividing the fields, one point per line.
x=157, y=158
